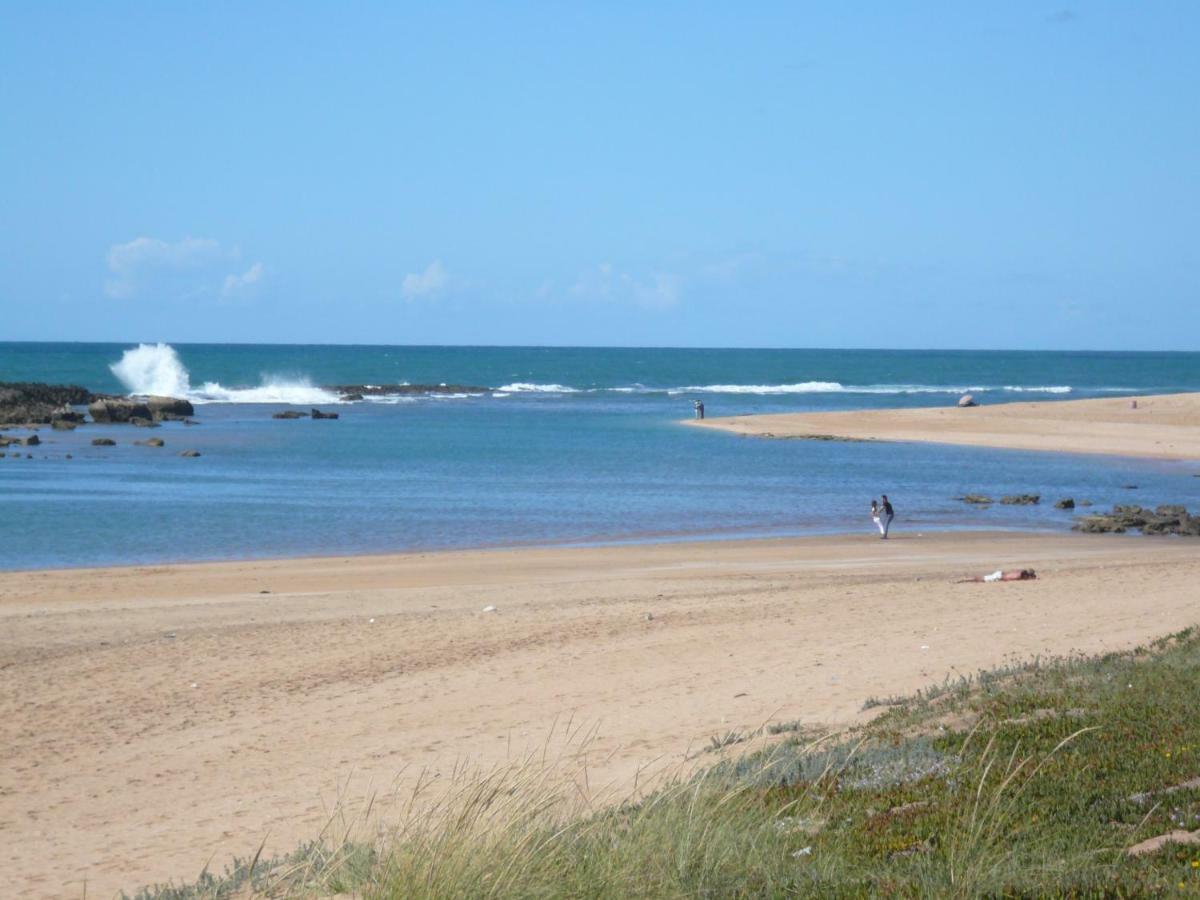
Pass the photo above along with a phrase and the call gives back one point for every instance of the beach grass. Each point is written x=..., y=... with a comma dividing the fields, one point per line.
x=1029, y=781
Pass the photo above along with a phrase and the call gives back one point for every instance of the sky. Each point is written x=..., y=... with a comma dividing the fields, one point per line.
x=1005, y=175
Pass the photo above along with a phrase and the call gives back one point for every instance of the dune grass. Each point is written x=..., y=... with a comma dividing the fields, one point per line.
x=1030, y=781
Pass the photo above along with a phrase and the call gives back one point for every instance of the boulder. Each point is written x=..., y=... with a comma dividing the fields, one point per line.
x=289, y=414
x=1065, y=503
x=149, y=442
x=66, y=414
x=118, y=409
x=317, y=414
x=1171, y=509
x=966, y=400
x=62, y=425
x=190, y=453
x=103, y=442
x=31, y=441
x=169, y=407
x=1021, y=499
x=1167, y=519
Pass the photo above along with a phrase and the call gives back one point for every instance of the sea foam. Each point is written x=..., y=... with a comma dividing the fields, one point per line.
x=156, y=369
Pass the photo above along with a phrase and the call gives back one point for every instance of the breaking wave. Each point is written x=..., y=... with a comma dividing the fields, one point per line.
x=524, y=387
x=156, y=369
x=834, y=387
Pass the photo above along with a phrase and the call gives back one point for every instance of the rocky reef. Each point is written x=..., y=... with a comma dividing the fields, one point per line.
x=1165, y=519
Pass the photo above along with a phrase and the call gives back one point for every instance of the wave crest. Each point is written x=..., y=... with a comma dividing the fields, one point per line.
x=156, y=369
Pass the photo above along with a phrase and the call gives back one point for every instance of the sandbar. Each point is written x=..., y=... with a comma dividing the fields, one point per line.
x=1165, y=426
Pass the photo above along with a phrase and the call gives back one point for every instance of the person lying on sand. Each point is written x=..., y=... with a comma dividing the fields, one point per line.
x=1011, y=575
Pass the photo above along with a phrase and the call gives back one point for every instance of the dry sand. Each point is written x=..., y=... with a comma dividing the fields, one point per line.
x=156, y=718
x=1160, y=427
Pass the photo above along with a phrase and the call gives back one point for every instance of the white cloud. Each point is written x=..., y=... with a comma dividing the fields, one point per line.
x=605, y=282
x=186, y=268
x=423, y=284
x=235, y=284
x=132, y=265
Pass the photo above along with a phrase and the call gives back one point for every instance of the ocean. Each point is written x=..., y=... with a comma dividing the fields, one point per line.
x=565, y=446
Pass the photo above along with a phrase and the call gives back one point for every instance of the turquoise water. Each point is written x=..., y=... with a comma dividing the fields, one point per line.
x=568, y=445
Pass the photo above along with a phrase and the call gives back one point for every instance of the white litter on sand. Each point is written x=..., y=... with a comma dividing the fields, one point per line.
x=489, y=609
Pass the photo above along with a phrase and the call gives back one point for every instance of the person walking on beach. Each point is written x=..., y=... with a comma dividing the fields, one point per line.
x=888, y=515
x=875, y=515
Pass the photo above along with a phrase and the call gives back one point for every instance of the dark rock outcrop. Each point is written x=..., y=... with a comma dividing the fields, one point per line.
x=389, y=390
x=190, y=453
x=1166, y=519
x=62, y=425
x=103, y=442
x=1066, y=503
x=317, y=414
x=1021, y=499
x=149, y=442
x=290, y=414
x=33, y=403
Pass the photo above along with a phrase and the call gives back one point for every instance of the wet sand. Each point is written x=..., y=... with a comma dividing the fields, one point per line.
x=154, y=719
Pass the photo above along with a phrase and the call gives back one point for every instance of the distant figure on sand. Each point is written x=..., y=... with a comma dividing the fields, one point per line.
x=998, y=575
x=888, y=515
x=699, y=406
x=875, y=515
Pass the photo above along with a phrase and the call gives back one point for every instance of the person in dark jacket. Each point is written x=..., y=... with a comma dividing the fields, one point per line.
x=888, y=514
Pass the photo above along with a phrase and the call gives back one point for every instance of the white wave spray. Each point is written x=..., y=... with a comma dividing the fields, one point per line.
x=156, y=369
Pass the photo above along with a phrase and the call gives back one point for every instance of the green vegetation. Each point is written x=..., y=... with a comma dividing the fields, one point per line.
x=1031, y=781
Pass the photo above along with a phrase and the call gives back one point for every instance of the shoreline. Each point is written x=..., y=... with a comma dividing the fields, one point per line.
x=160, y=716
x=1161, y=426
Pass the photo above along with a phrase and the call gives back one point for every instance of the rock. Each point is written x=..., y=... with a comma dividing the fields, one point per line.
x=143, y=423
x=118, y=409
x=966, y=400
x=1129, y=487
x=33, y=403
x=169, y=407
x=290, y=414
x=1066, y=503
x=352, y=397
x=66, y=414
x=190, y=453
x=103, y=442
x=317, y=414
x=149, y=442
x=977, y=499
x=1021, y=499
x=1167, y=519
x=62, y=425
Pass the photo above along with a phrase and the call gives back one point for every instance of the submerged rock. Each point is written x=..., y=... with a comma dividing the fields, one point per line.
x=190, y=453
x=1021, y=499
x=1066, y=503
x=290, y=414
x=317, y=414
x=149, y=442
x=976, y=499
x=103, y=442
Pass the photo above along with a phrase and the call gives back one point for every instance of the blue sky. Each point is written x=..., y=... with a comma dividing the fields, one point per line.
x=1018, y=175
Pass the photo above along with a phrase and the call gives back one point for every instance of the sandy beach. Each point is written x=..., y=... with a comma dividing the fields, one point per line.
x=1159, y=427
x=155, y=719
